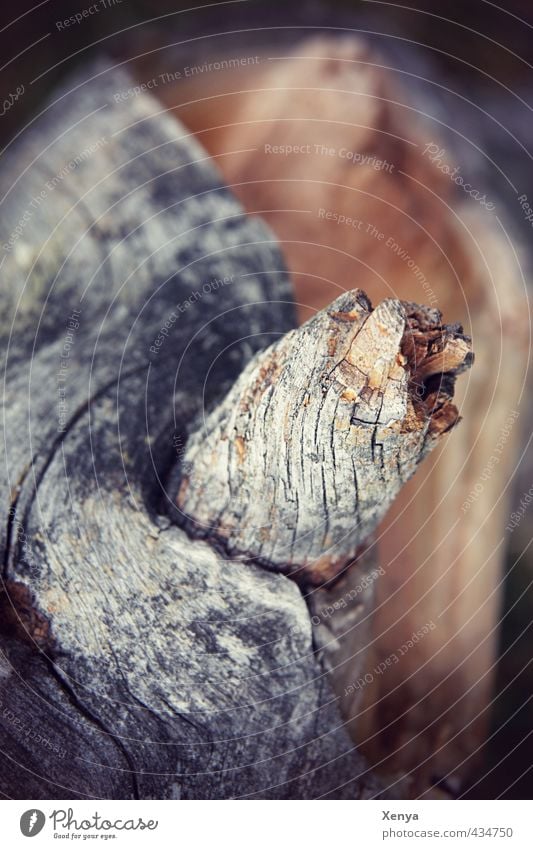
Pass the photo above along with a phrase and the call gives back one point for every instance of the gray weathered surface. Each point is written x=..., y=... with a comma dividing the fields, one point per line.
x=416, y=234
x=136, y=662
x=300, y=462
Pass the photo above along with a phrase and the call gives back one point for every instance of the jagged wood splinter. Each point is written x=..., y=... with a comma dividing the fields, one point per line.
x=298, y=464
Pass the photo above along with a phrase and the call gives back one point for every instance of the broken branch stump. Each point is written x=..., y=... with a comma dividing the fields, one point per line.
x=300, y=462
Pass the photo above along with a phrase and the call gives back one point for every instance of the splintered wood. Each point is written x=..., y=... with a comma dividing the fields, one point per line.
x=300, y=462
x=328, y=143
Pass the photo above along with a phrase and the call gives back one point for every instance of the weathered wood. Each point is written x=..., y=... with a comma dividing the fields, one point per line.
x=302, y=459
x=402, y=228
x=136, y=662
x=298, y=464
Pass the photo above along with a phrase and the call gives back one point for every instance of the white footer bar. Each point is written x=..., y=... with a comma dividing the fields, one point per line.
x=266, y=825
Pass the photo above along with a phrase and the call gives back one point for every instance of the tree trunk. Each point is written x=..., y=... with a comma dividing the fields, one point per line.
x=282, y=131
x=138, y=663
x=137, y=297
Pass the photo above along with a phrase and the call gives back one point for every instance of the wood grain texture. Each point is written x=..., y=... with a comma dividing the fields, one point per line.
x=401, y=229
x=137, y=663
x=302, y=459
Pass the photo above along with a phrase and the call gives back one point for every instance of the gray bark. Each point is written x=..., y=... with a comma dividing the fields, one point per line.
x=136, y=662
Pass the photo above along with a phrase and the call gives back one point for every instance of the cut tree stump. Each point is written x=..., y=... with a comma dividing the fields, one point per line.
x=139, y=660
